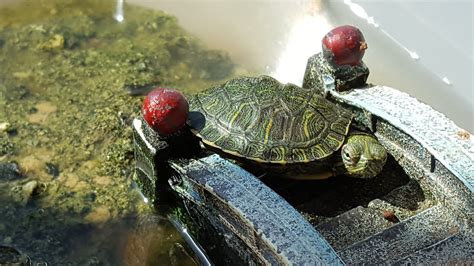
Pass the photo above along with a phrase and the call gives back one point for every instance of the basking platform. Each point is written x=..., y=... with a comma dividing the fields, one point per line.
x=418, y=210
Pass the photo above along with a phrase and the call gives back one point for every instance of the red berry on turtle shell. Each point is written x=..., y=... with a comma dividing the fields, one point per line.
x=344, y=45
x=165, y=110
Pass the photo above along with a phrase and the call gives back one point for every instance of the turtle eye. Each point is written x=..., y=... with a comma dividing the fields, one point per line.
x=351, y=158
x=346, y=156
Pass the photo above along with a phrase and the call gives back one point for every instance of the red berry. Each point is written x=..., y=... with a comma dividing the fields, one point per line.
x=344, y=45
x=390, y=216
x=165, y=110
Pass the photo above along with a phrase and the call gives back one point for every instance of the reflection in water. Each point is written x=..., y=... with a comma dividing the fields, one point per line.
x=119, y=16
x=301, y=45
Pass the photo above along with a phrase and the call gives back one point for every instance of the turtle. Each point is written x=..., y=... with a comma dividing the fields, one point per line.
x=288, y=130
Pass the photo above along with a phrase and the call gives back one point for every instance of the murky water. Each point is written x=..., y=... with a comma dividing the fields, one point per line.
x=69, y=76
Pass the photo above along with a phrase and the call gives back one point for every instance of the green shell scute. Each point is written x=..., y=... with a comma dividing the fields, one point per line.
x=261, y=119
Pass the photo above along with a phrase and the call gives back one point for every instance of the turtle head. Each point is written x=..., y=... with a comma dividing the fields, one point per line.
x=363, y=156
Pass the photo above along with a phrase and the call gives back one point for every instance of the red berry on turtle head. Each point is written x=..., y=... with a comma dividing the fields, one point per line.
x=344, y=45
x=165, y=110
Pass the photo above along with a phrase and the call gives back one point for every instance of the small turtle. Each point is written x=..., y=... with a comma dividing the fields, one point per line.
x=289, y=130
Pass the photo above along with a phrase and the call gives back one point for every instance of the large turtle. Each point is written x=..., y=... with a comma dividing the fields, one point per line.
x=288, y=129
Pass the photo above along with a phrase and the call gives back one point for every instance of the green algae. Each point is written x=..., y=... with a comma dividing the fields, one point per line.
x=69, y=76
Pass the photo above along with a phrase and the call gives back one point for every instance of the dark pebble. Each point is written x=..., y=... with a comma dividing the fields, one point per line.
x=90, y=197
x=85, y=210
x=52, y=169
x=12, y=132
x=32, y=110
x=10, y=171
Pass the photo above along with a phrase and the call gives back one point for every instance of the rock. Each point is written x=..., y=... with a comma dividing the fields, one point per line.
x=5, y=126
x=44, y=110
x=52, y=169
x=30, y=189
x=55, y=43
x=10, y=171
x=69, y=180
x=103, y=180
x=99, y=215
x=33, y=164
x=11, y=256
x=22, y=75
x=23, y=194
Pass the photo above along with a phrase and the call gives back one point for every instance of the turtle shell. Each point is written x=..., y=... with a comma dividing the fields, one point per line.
x=260, y=119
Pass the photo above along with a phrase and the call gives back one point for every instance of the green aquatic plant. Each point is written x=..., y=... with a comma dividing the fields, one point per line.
x=69, y=80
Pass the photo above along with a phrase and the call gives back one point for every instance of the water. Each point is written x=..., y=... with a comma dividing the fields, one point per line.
x=70, y=73
x=417, y=47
